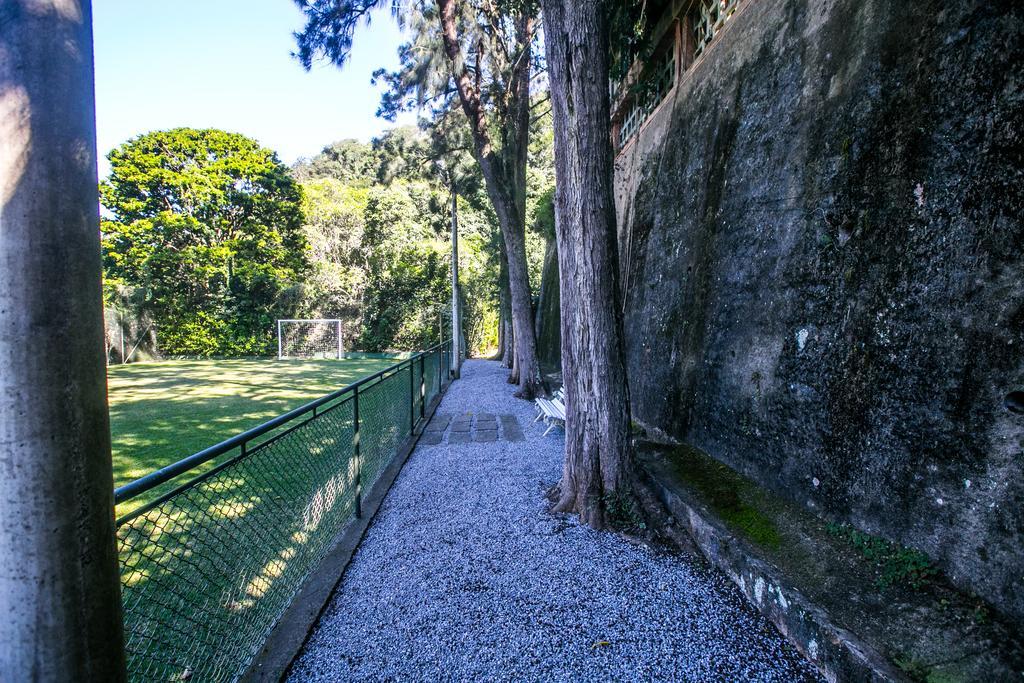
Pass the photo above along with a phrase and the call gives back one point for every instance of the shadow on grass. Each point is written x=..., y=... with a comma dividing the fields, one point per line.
x=163, y=412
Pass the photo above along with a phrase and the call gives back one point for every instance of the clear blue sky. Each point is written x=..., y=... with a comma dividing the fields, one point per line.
x=227, y=64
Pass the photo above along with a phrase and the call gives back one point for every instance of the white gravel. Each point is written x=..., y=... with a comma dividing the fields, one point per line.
x=464, y=575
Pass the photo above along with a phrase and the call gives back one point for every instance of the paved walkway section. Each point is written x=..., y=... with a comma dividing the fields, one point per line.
x=467, y=427
x=465, y=576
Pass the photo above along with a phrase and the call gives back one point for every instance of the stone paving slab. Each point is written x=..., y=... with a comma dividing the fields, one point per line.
x=463, y=429
x=429, y=438
x=511, y=429
x=439, y=423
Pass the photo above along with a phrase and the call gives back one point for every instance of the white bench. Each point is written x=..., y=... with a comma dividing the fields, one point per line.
x=557, y=396
x=551, y=411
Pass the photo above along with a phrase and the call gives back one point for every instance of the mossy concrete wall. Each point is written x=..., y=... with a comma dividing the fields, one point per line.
x=824, y=269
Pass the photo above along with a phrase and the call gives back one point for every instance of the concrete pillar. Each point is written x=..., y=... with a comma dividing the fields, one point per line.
x=60, y=609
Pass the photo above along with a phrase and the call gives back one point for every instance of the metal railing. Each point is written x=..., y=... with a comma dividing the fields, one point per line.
x=208, y=567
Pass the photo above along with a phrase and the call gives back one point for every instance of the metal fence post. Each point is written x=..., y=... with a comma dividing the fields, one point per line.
x=423, y=389
x=356, y=451
x=412, y=398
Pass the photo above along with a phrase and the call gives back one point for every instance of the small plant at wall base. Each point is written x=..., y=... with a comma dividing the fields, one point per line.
x=622, y=513
x=913, y=668
x=896, y=564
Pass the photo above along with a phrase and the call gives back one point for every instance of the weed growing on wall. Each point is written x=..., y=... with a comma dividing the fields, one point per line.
x=895, y=564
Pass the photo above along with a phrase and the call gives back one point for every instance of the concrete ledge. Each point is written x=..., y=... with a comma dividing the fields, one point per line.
x=823, y=594
x=837, y=653
x=290, y=633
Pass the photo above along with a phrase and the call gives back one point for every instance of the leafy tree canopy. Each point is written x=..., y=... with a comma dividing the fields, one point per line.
x=208, y=225
x=478, y=57
x=630, y=28
x=402, y=153
x=349, y=161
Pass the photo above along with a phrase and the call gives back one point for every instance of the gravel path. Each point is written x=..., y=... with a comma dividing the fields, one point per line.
x=463, y=576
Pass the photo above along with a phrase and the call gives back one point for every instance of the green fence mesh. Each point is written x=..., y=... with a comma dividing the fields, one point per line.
x=209, y=568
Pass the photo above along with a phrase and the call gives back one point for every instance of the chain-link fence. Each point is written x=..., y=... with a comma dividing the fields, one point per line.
x=208, y=568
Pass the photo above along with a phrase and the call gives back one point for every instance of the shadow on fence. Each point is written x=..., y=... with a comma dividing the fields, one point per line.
x=208, y=568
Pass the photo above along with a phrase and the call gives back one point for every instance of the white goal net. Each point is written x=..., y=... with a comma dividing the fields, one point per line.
x=309, y=338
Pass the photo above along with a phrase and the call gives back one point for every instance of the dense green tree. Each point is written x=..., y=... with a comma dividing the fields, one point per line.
x=411, y=178
x=407, y=268
x=334, y=286
x=208, y=225
x=480, y=56
x=349, y=161
x=402, y=153
x=379, y=261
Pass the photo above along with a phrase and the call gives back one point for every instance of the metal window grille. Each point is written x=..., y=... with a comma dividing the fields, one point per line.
x=651, y=91
x=708, y=18
x=208, y=567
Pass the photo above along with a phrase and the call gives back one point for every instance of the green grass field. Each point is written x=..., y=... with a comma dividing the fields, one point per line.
x=219, y=561
x=163, y=412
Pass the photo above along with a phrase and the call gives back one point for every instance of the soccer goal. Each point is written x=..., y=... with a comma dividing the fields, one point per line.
x=319, y=338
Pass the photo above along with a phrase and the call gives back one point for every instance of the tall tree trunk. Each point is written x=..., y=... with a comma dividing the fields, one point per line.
x=513, y=376
x=598, y=458
x=504, y=177
x=502, y=344
x=506, y=337
x=60, y=592
x=508, y=352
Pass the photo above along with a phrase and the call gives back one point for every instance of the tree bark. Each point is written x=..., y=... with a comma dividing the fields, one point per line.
x=504, y=178
x=59, y=586
x=598, y=456
x=508, y=353
x=506, y=340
